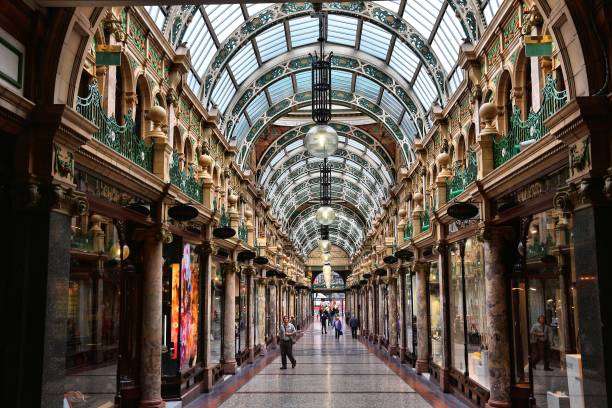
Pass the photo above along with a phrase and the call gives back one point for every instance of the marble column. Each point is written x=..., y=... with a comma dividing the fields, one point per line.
x=403, y=313
x=392, y=302
x=497, y=317
x=261, y=312
x=150, y=364
x=229, y=319
x=442, y=250
x=371, y=327
x=422, y=352
x=381, y=310
x=250, y=313
x=205, y=314
x=272, y=313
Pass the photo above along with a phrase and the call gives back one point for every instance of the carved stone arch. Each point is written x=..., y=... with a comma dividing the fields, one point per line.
x=188, y=150
x=503, y=100
x=142, y=103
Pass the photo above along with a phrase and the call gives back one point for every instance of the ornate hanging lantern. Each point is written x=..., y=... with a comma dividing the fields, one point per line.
x=321, y=140
x=325, y=214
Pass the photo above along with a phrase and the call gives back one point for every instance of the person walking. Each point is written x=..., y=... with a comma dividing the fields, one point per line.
x=287, y=338
x=338, y=327
x=354, y=324
x=324, y=319
x=541, y=335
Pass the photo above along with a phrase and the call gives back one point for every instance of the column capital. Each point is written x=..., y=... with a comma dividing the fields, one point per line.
x=420, y=266
x=440, y=247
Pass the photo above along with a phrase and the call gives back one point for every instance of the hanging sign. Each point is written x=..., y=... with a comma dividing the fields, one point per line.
x=108, y=54
x=538, y=45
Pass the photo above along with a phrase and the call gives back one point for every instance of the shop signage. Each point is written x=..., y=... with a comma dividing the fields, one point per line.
x=462, y=211
x=538, y=45
x=404, y=254
x=182, y=212
x=108, y=54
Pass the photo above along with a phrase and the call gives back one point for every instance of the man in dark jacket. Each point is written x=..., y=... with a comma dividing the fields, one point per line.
x=354, y=324
x=324, y=319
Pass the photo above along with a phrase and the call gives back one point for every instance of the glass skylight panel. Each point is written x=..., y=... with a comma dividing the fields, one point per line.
x=341, y=80
x=447, y=40
x=374, y=40
x=455, y=79
x=341, y=29
x=225, y=19
x=257, y=107
x=366, y=87
x=280, y=90
x=304, y=81
x=254, y=8
x=200, y=42
x=244, y=63
x=425, y=89
x=408, y=127
x=490, y=8
x=223, y=92
x=294, y=145
x=391, y=105
x=193, y=82
x=241, y=129
x=403, y=60
x=373, y=157
x=303, y=30
x=158, y=15
x=271, y=42
x=422, y=15
x=356, y=145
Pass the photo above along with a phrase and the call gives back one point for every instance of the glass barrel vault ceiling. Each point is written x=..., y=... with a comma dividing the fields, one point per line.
x=233, y=45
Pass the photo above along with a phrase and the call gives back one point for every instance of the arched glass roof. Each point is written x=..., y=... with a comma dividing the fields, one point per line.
x=392, y=61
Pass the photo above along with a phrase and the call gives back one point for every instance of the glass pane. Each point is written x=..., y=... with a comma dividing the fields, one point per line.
x=280, y=90
x=304, y=30
x=374, y=41
x=477, y=335
x=422, y=15
x=257, y=107
x=216, y=313
x=341, y=29
x=271, y=42
x=403, y=60
x=243, y=63
x=223, y=92
x=457, y=333
x=224, y=18
x=435, y=313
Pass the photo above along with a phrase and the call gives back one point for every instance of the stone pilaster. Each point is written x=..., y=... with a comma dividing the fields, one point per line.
x=497, y=317
x=229, y=319
x=422, y=352
x=150, y=354
x=442, y=251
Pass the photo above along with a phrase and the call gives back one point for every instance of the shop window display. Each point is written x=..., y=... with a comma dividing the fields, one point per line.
x=410, y=313
x=241, y=312
x=469, y=332
x=435, y=314
x=181, y=311
x=216, y=313
x=94, y=292
x=544, y=310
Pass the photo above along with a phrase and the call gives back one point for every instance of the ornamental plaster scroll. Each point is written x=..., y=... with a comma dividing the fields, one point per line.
x=367, y=11
x=296, y=101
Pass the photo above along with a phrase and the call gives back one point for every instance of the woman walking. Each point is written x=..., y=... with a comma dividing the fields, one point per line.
x=338, y=327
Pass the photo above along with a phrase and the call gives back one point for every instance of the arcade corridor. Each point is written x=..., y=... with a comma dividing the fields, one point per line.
x=177, y=177
x=334, y=373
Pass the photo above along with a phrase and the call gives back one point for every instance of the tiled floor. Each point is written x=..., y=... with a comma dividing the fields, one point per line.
x=329, y=373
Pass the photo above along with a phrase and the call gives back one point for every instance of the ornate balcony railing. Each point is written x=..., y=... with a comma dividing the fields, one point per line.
x=185, y=179
x=242, y=231
x=533, y=128
x=121, y=138
x=464, y=176
x=425, y=220
x=407, y=231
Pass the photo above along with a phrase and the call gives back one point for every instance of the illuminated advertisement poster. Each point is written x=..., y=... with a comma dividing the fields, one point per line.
x=189, y=308
x=175, y=309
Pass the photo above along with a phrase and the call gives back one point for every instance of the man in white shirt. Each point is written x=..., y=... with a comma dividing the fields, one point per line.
x=287, y=336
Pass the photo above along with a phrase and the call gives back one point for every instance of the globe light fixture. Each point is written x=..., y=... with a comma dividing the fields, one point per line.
x=321, y=141
x=324, y=245
x=325, y=215
x=326, y=257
